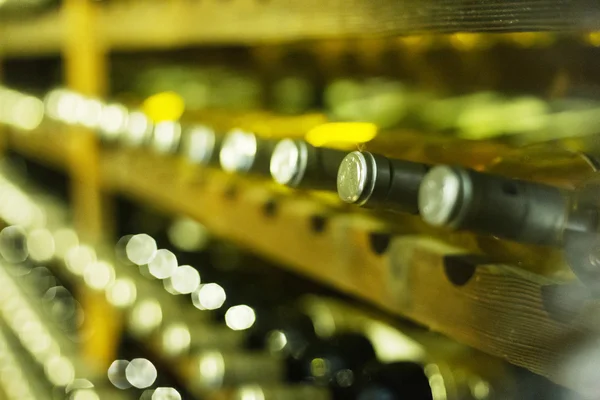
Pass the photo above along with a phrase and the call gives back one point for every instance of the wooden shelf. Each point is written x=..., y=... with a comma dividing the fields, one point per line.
x=139, y=25
x=35, y=36
x=524, y=318
x=49, y=147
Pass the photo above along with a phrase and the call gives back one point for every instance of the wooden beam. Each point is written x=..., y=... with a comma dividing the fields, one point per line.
x=85, y=68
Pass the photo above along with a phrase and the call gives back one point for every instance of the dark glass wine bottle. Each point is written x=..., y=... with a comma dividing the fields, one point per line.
x=399, y=380
x=243, y=152
x=334, y=363
x=297, y=164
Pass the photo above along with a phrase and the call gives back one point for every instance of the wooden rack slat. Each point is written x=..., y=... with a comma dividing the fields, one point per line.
x=142, y=25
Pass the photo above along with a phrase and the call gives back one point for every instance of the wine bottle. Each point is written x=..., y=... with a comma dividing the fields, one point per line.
x=547, y=170
x=504, y=118
x=291, y=76
x=182, y=339
x=286, y=331
x=276, y=342
x=282, y=392
x=384, y=102
x=215, y=344
x=201, y=145
x=443, y=114
x=175, y=327
x=508, y=208
x=293, y=92
x=519, y=222
x=297, y=164
x=410, y=360
x=376, y=181
x=166, y=137
x=138, y=132
x=582, y=233
x=244, y=152
x=226, y=293
x=399, y=380
x=112, y=124
x=281, y=330
x=215, y=370
x=139, y=372
x=334, y=363
x=523, y=196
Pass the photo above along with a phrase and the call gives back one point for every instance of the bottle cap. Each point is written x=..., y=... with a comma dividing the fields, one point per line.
x=113, y=121
x=238, y=152
x=199, y=145
x=138, y=131
x=442, y=196
x=167, y=135
x=356, y=178
x=288, y=162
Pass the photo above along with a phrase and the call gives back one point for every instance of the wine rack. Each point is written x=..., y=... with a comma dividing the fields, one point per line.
x=405, y=274
x=77, y=263
x=507, y=314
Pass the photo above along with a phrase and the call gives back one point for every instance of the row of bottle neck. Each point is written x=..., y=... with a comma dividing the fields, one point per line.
x=446, y=196
x=548, y=204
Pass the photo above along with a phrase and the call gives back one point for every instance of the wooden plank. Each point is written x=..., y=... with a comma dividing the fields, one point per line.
x=35, y=36
x=47, y=146
x=161, y=25
x=529, y=320
x=137, y=25
x=86, y=72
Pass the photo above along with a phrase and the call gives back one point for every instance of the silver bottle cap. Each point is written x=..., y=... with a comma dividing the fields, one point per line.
x=288, y=162
x=238, y=152
x=167, y=135
x=138, y=131
x=356, y=178
x=113, y=121
x=443, y=195
x=199, y=144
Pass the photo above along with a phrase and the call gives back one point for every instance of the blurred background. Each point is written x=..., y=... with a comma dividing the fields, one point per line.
x=286, y=200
